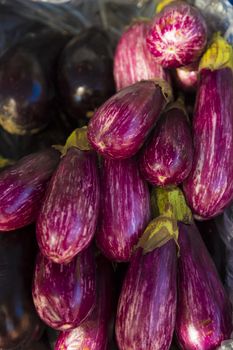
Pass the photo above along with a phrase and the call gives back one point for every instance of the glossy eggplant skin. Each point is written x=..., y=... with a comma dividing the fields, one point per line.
x=204, y=317
x=132, y=61
x=167, y=158
x=121, y=125
x=209, y=187
x=27, y=90
x=125, y=208
x=85, y=78
x=92, y=334
x=19, y=323
x=24, y=100
x=64, y=295
x=178, y=35
x=22, y=188
x=147, y=305
x=70, y=210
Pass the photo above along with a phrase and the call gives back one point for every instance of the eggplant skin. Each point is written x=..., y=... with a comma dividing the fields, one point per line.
x=125, y=208
x=120, y=126
x=22, y=187
x=19, y=323
x=69, y=214
x=204, y=316
x=132, y=61
x=64, y=295
x=92, y=334
x=209, y=187
x=147, y=306
x=178, y=35
x=167, y=158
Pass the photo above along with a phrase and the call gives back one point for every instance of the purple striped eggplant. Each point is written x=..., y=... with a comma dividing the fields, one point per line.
x=187, y=77
x=125, y=208
x=147, y=305
x=69, y=214
x=121, y=125
x=209, y=187
x=178, y=35
x=22, y=188
x=204, y=316
x=167, y=158
x=132, y=61
x=92, y=334
x=64, y=295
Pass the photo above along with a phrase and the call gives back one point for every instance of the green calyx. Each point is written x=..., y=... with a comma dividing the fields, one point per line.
x=171, y=202
x=168, y=206
x=158, y=232
x=77, y=139
x=218, y=55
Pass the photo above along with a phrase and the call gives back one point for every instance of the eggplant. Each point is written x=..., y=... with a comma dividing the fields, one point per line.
x=167, y=158
x=27, y=92
x=133, y=61
x=64, y=295
x=187, y=77
x=24, y=99
x=209, y=187
x=22, y=188
x=92, y=334
x=85, y=78
x=204, y=316
x=121, y=125
x=147, y=305
x=178, y=35
x=19, y=323
x=125, y=208
x=211, y=236
x=68, y=217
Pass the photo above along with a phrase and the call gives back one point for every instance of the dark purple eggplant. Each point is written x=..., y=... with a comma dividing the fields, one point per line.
x=121, y=125
x=19, y=323
x=92, y=334
x=22, y=188
x=125, y=208
x=26, y=82
x=167, y=158
x=24, y=100
x=204, y=310
x=85, y=74
x=64, y=295
x=212, y=238
x=69, y=214
x=147, y=305
x=209, y=187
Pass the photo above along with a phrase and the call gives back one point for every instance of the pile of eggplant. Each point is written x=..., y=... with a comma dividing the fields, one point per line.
x=113, y=159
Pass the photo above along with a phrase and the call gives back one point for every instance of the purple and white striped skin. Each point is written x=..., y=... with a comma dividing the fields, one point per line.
x=147, y=306
x=22, y=188
x=209, y=187
x=204, y=317
x=69, y=214
x=178, y=35
x=64, y=295
x=92, y=334
x=121, y=125
x=187, y=77
x=167, y=158
x=132, y=61
x=125, y=208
